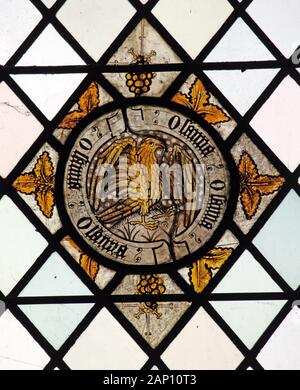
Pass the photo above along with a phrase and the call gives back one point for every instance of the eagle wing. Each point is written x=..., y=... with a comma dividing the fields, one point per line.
x=120, y=210
x=189, y=199
x=110, y=157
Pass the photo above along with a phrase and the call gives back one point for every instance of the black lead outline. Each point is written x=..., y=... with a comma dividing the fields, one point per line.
x=102, y=298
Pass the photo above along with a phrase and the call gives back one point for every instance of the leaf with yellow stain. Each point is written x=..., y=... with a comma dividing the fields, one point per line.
x=88, y=101
x=73, y=244
x=39, y=182
x=253, y=185
x=198, y=101
x=90, y=266
x=200, y=272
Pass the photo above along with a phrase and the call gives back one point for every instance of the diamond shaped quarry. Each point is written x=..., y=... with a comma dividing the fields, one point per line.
x=278, y=240
x=280, y=23
x=105, y=345
x=277, y=127
x=50, y=49
x=16, y=123
x=21, y=244
x=202, y=345
x=49, y=92
x=17, y=20
x=192, y=23
x=55, y=278
x=19, y=351
x=100, y=22
x=282, y=351
x=56, y=322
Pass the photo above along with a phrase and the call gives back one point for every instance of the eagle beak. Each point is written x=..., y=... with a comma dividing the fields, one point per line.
x=160, y=149
x=163, y=147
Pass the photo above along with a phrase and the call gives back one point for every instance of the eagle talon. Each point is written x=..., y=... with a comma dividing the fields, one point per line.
x=151, y=225
x=169, y=213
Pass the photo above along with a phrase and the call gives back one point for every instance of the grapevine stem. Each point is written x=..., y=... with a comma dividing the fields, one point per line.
x=142, y=37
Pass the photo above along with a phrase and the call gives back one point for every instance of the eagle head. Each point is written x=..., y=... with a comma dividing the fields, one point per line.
x=153, y=144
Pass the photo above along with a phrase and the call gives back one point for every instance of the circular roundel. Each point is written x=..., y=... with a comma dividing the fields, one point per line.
x=145, y=185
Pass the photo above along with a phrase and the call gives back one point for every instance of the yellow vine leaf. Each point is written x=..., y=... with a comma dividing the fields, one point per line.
x=25, y=183
x=198, y=95
x=90, y=98
x=213, y=114
x=39, y=182
x=182, y=98
x=87, y=102
x=90, y=266
x=200, y=273
x=199, y=276
x=43, y=169
x=250, y=201
x=197, y=100
x=72, y=243
x=253, y=185
x=45, y=200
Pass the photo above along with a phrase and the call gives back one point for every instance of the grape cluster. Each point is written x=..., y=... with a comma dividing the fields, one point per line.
x=139, y=82
x=151, y=285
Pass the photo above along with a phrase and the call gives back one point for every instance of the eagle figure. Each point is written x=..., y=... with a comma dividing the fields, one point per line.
x=149, y=192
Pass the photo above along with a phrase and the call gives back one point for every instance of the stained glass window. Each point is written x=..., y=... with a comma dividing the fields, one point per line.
x=149, y=185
